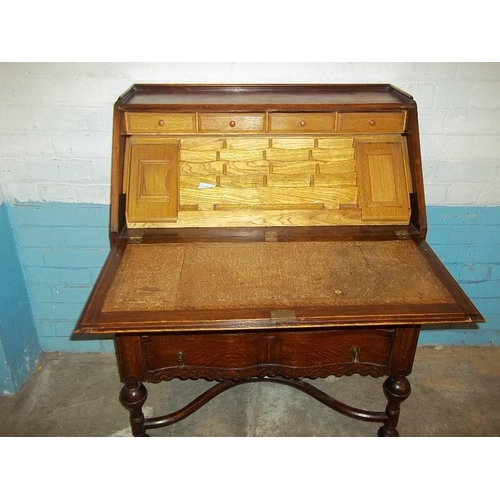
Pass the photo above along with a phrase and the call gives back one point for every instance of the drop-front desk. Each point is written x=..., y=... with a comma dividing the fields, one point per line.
x=268, y=233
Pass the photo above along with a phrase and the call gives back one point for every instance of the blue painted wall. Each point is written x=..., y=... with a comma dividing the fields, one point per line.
x=6, y=383
x=63, y=246
x=19, y=344
x=467, y=240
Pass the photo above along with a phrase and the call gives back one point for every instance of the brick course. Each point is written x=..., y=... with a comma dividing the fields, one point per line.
x=63, y=247
x=55, y=139
x=55, y=118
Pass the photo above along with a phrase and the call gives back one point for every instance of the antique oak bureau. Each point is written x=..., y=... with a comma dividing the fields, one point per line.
x=268, y=233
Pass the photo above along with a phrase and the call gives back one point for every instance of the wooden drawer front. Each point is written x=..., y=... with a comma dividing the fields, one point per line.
x=301, y=122
x=170, y=123
x=234, y=122
x=371, y=122
x=290, y=354
x=353, y=348
x=185, y=352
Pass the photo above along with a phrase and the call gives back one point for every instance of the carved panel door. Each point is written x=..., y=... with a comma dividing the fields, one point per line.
x=153, y=180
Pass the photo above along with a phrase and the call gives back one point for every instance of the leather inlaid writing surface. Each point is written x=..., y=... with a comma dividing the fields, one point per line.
x=178, y=276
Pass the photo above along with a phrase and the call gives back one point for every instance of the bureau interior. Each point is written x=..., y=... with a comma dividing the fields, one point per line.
x=206, y=170
x=268, y=232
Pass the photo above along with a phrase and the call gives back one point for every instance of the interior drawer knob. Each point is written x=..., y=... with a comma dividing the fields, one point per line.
x=372, y=123
x=303, y=123
x=355, y=354
x=232, y=123
x=161, y=123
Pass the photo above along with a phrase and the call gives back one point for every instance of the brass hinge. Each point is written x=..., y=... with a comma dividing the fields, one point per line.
x=402, y=235
x=135, y=239
x=283, y=316
x=270, y=236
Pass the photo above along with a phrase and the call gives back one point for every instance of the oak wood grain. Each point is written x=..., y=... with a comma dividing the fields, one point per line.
x=176, y=123
x=372, y=122
x=268, y=232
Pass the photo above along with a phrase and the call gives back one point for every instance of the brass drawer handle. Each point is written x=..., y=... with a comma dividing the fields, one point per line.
x=372, y=123
x=303, y=123
x=232, y=123
x=161, y=123
x=180, y=359
x=355, y=354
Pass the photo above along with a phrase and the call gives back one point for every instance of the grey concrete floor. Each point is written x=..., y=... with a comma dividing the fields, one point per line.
x=455, y=392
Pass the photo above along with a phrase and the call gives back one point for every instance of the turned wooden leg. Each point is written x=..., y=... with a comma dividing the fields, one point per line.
x=396, y=390
x=132, y=396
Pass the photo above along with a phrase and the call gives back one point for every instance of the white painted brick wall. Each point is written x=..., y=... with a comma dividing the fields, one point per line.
x=55, y=120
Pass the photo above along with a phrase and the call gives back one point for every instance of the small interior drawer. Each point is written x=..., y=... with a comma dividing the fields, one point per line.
x=157, y=123
x=232, y=122
x=372, y=122
x=301, y=122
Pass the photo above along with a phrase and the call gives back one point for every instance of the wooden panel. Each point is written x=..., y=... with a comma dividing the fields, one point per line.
x=217, y=351
x=372, y=122
x=323, y=348
x=329, y=197
x=153, y=182
x=194, y=181
x=403, y=350
x=280, y=216
x=288, y=154
x=334, y=142
x=242, y=181
x=336, y=167
x=158, y=123
x=254, y=175
x=235, y=122
x=215, y=355
x=198, y=156
x=243, y=175
x=130, y=358
x=337, y=179
x=294, y=167
x=383, y=188
x=288, y=180
x=301, y=122
x=332, y=154
x=241, y=155
x=246, y=167
x=237, y=174
x=293, y=143
x=200, y=143
x=262, y=216
x=201, y=168
x=246, y=143
x=269, y=207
